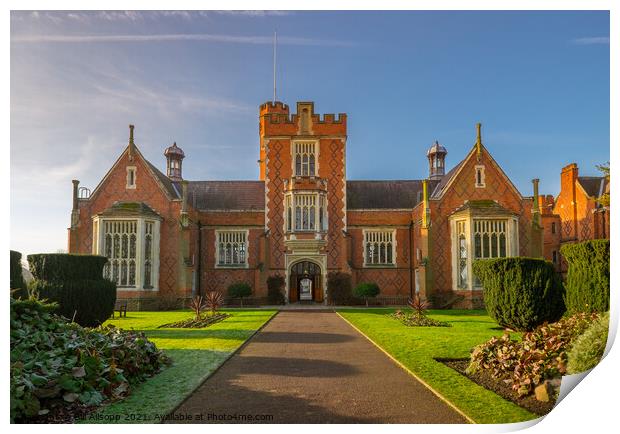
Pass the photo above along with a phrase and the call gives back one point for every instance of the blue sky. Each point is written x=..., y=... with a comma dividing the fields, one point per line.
x=538, y=82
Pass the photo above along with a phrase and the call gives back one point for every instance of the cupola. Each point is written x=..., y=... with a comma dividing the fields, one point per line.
x=174, y=161
x=436, y=155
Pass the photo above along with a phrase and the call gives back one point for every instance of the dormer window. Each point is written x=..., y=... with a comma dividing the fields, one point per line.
x=304, y=157
x=480, y=177
x=131, y=177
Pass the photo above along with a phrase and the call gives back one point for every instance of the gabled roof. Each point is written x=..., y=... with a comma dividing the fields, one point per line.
x=446, y=179
x=594, y=186
x=226, y=195
x=174, y=192
x=403, y=194
x=452, y=174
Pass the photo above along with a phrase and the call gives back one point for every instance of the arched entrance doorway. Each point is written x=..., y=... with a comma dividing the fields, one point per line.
x=305, y=282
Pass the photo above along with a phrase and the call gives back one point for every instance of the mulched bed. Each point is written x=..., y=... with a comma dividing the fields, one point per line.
x=191, y=323
x=63, y=413
x=485, y=380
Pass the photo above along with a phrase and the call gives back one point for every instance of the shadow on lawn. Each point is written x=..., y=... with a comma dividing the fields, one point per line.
x=228, y=334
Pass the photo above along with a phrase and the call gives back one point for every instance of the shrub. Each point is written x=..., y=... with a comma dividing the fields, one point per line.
x=587, y=281
x=275, y=289
x=87, y=302
x=76, y=283
x=520, y=293
x=540, y=355
x=240, y=290
x=366, y=290
x=62, y=267
x=588, y=349
x=213, y=301
x=197, y=305
x=55, y=363
x=339, y=288
x=417, y=319
x=17, y=278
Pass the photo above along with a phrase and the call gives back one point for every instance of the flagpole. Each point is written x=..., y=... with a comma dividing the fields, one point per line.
x=275, y=43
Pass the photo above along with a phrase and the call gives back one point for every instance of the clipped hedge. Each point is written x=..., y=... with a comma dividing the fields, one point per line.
x=588, y=349
x=87, y=302
x=240, y=290
x=17, y=277
x=521, y=293
x=339, y=288
x=587, y=281
x=275, y=289
x=76, y=284
x=62, y=267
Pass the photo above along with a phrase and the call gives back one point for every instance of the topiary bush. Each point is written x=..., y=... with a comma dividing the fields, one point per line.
x=275, y=289
x=17, y=278
x=521, y=293
x=240, y=290
x=587, y=281
x=588, y=349
x=76, y=284
x=62, y=267
x=366, y=290
x=339, y=288
x=87, y=302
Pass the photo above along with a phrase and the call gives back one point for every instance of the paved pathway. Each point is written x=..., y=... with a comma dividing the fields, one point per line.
x=313, y=367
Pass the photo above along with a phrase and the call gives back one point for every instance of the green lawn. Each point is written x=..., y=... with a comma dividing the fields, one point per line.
x=416, y=348
x=196, y=353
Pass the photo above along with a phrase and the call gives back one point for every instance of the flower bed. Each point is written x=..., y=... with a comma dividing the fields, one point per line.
x=417, y=319
x=60, y=370
x=197, y=323
x=541, y=354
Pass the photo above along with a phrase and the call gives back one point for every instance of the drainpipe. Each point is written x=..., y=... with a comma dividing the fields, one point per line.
x=411, y=282
x=199, y=260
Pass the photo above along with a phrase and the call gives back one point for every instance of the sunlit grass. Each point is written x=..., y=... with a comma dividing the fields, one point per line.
x=196, y=353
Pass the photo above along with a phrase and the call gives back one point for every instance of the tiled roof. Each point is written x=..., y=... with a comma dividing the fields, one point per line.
x=444, y=180
x=592, y=184
x=165, y=181
x=226, y=195
x=385, y=194
x=483, y=207
x=120, y=208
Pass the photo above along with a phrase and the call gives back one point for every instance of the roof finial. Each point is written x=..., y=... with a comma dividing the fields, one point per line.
x=479, y=139
x=131, y=143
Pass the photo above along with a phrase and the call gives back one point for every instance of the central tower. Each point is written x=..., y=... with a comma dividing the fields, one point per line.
x=302, y=161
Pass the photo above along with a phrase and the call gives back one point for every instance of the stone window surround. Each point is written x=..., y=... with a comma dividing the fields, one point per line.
x=479, y=170
x=131, y=175
x=246, y=233
x=392, y=240
x=512, y=244
x=295, y=144
x=99, y=245
x=290, y=216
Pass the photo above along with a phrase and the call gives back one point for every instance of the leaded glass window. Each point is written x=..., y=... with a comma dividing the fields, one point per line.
x=232, y=248
x=119, y=240
x=379, y=247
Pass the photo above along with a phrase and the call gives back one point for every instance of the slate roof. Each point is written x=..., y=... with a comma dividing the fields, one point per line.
x=121, y=208
x=445, y=179
x=226, y=195
x=166, y=182
x=483, y=207
x=592, y=184
x=385, y=194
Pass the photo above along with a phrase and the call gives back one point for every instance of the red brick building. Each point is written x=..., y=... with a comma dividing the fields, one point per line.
x=576, y=214
x=167, y=237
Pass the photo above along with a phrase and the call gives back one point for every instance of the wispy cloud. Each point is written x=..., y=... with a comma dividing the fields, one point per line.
x=206, y=37
x=592, y=40
x=135, y=16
